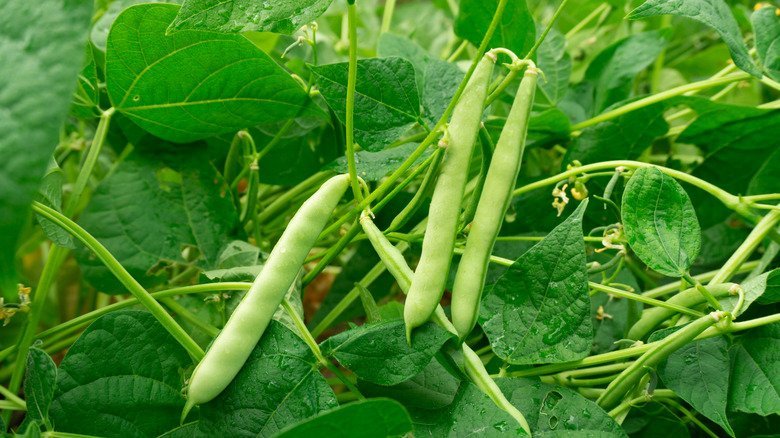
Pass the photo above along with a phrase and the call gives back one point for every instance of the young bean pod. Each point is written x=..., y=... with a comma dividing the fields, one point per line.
x=626, y=381
x=429, y=280
x=475, y=369
x=246, y=325
x=493, y=203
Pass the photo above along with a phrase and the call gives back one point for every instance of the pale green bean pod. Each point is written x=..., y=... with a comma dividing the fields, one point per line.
x=496, y=194
x=431, y=275
x=249, y=320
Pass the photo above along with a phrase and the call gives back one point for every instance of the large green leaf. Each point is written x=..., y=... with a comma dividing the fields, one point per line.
x=41, y=53
x=378, y=352
x=386, y=99
x=373, y=166
x=99, y=33
x=660, y=223
x=652, y=420
x=472, y=413
x=516, y=31
x=194, y=84
x=611, y=75
x=280, y=16
x=553, y=411
x=437, y=79
x=755, y=374
x=157, y=202
x=699, y=373
x=713, y=13
x=555, y=62
x=279, y=385
x=766, y=28
x=539, y=310
x=433, y=388
x=622, y=138
x=121, y=378
x=376, y=418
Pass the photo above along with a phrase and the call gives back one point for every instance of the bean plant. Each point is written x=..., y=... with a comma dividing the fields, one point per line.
x=212, y=212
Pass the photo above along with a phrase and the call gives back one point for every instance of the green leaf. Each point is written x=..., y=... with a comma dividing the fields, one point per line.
x=772, y=292
x=195, y=84
x=362, y=261
x=98, y=35
x=378, y=352
x=660, y=223
x=38, y=65
x=756, y=289
x=376, y=418
x=121, y=378
x=766, y=28
x=653, y=420
x=433, y=388
x=622, y=138
x=373, y=166
x=555, y=62
x=437, y=80
x=755, y=376
x=539, y=310
x=39, y=383
x=50, y=194
x=160, y=200
x=280, y=16
x=386, y=99
x=714, y=13
x=516, y=31
x=699, y=373
x=611, y=75
x=184, y=431
x=553, y=411
x=280, y=385
x=472, y=413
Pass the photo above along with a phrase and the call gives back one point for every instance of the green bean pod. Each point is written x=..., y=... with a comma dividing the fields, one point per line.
x=475, y=369
x=431, y=275
x=246, y=325
x=690, y=298
x=626, y=381
x=496, y=194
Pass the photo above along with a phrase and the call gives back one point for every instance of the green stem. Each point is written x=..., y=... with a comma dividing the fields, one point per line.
x=703, y=291
x=7, y=406
x=458, y=51
x=675, y=285
x=56, y=256
x=286, y=199
x=688, y=414
x=754, y=239
x=89, y=164
x=660, y=350
x=351, y=80
x=643, y=299
x=729, y=200
x=308, y=338
x=12, y=398
x=585, y=21
x=387, y=16
x=332, y=253
x=188, y=316
x=546, y=30
x=660, y=97
x=432, y=136
x=124, y=277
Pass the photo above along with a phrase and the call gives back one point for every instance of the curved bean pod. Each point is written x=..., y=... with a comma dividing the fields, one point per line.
x=246, y=325
x=429, y=280
x=496, y=194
